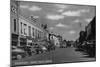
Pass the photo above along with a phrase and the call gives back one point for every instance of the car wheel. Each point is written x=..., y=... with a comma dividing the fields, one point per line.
x=19, y=57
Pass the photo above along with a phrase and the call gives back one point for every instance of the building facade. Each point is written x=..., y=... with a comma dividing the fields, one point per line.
x=55, y=40
x=24, y=31
x=91, y=30
x=29, y=31
x=14, y=22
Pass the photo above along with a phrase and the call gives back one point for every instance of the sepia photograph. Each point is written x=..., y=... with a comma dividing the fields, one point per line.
x=51, y=33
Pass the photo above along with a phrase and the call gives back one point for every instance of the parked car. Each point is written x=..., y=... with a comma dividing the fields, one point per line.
x=36, y=49
x=18, y=53
x=91, y=46
x=39, y=50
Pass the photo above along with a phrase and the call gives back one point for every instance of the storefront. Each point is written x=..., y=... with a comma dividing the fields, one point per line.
x=14, y=39
x=29, y=41
x=23, y=41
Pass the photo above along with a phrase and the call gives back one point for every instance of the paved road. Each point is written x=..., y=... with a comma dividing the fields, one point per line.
x=59, y=55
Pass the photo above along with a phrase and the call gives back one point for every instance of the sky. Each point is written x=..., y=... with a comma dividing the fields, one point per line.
x=64, y=19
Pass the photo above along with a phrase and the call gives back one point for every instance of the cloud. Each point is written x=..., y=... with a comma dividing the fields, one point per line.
x=36, y=16
x=32, y=8
x=76, y=21
x=72, y=32
x=84, y=10
x=88, y=20
x=61, y=25
x=24, y=6
x=75, y=13
x=60, y=10
x=54, y=17
x=61, y=6
x=35, y=8
x=71, y=13
x=51, y=28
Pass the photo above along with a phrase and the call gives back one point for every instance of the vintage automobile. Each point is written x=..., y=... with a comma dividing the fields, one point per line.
x=36, y=49
x=18, y=53
x=89, y=47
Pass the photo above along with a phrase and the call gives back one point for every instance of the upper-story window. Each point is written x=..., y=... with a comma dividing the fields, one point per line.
x=41, y=35
x=33, y=31
x=38, y=34
x=14, y=25
x=21, y=24
x=29, y=28
x=25, y=31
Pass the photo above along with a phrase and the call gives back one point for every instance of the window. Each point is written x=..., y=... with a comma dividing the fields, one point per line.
x=38, y=33
x=14, y=25
x=21, y=27
x=33, y=31
x=41, y=34
x=23, y=42
x=25, y=32
x=29, y=28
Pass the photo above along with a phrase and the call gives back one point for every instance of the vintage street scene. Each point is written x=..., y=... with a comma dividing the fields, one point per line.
x=50, y=33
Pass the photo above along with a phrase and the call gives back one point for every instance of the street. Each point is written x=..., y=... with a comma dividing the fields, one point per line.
x=48, y=33
x=57, y=56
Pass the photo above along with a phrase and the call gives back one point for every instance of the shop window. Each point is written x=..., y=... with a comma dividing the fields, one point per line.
x=23, y=42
